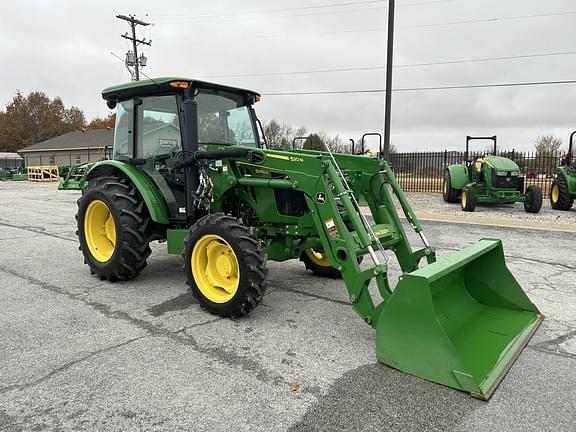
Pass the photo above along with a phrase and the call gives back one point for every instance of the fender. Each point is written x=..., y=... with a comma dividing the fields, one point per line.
x=458, y=176
x=147, y=189
x=569, y=176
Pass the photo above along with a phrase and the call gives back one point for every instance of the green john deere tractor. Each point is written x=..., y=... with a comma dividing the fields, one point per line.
x=563, y=188
x=191, y=166
x=489, y=179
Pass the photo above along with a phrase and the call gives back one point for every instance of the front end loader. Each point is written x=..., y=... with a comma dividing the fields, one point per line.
x=191, y=166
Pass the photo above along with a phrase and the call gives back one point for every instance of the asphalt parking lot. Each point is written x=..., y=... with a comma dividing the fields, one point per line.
x=78, y=354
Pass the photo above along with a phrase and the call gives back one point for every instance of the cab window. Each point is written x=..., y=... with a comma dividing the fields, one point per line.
x=223, y=118
x=158, y=127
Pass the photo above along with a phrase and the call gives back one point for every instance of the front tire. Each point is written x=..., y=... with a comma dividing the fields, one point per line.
x=533, y=202
x=468, y=200
x=449, y=194
x=560, y=198
x=225, y=266
x=113, y=228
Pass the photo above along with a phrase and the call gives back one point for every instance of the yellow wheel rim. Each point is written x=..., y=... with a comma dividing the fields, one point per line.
x=317, y=257
x=215, y=268
x=100, y=231
x=445, y=187
x=464, y=200
x=555, y=193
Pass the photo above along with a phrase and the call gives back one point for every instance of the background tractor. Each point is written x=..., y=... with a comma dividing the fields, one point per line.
x=488, y=179
x=563, y=188
x=190, y=166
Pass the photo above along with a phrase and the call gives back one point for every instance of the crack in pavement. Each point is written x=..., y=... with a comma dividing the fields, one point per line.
x=67, y=366
x=315, y=296
x=558, y=340
x=37, y=230
x=552, y=346
x=562, y=353
x=220, y=354
x=200, y=324
x=543, y=286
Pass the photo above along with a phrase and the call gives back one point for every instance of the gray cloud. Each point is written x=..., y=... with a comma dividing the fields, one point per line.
x=63, y=48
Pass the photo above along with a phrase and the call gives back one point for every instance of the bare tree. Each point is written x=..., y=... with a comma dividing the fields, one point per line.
x=548, y=153
x=547, y=145
x=282, y=135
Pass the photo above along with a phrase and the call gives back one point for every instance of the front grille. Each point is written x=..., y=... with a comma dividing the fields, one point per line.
x=507, y=181
x=290, y=202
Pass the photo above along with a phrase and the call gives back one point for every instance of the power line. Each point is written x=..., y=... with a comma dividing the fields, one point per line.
x=376, y=29
x=275, y=17
x=408, y=65
x=517, y=17
x=227, y=14
x=277, y=10
x=407, y=89
x=257, y=18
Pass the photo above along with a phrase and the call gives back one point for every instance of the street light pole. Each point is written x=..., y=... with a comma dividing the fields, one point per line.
x=389, y=65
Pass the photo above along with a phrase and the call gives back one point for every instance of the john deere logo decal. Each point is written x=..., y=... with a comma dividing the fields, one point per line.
x=321, y=197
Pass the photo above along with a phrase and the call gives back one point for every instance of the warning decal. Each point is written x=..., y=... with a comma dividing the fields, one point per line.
x=331, y=228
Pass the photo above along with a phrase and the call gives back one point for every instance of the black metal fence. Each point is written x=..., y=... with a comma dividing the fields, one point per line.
x=424, y=171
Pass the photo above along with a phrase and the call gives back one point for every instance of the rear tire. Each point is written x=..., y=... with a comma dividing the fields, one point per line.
x=225, y=266
x=533, y=202
x=113, y=228
x=317, y=262
x=468, y=200
x=449, y=194
x=560, y=198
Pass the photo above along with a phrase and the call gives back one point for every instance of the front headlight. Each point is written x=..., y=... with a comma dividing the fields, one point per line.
x=515, y=173
x=501, y=173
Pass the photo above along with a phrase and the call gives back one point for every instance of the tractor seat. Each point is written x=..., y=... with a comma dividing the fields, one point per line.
x=478, y=165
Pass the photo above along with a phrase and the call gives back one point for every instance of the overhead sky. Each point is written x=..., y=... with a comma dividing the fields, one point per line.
x=63, y=48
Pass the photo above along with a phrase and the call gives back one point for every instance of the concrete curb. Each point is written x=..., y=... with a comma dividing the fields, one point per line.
x=485, y=221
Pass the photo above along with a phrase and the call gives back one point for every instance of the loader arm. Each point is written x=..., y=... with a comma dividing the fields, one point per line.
x=332, y=222
x=461, y=321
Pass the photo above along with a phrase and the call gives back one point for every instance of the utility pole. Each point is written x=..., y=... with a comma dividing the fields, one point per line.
x=132, y=58
x=389, y=65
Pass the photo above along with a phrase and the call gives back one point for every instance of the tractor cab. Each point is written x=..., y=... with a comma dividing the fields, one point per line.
x=159, y=122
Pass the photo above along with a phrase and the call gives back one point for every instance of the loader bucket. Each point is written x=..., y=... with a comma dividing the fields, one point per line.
x=461, y=321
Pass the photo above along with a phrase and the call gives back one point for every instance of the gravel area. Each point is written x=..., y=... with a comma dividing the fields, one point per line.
x=428, y=203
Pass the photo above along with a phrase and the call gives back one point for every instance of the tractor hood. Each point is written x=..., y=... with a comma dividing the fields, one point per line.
x=501, y=163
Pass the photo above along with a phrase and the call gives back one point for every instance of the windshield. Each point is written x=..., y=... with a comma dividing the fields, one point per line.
x=224, y=119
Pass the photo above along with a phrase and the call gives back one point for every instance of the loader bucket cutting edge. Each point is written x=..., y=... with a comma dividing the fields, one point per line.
x=461, y=321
